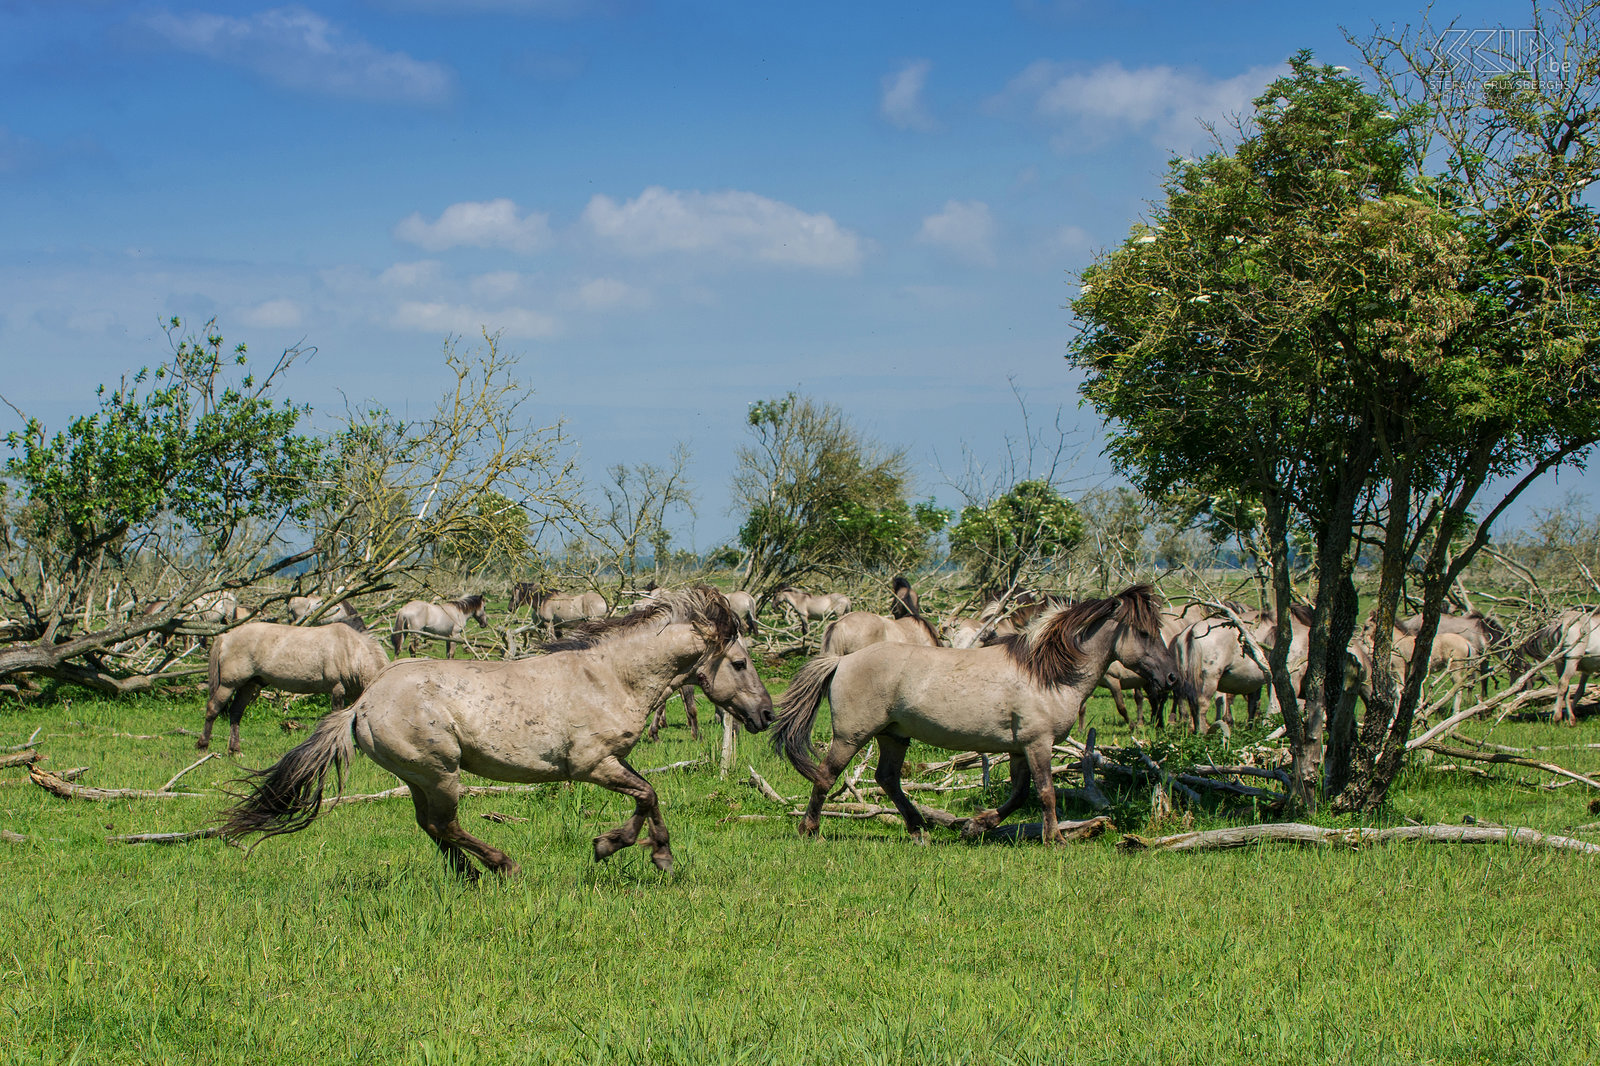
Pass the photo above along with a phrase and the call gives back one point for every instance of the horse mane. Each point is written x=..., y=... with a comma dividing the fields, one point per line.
x=353, y=619
x=699, y=603
x=468, y=603
x=928, y=626
x=1051, y=652
x=1301, y=613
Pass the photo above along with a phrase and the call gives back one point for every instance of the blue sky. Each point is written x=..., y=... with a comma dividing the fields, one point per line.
x=670, y=209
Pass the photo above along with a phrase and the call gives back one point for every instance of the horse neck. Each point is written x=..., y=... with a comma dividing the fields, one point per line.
x=649, y=659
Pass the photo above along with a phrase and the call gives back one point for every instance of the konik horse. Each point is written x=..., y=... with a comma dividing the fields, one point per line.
x=571, y=715
x=1021, y=696
x=446, y=621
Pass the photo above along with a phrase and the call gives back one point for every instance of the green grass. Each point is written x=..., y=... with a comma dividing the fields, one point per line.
x=349, y=942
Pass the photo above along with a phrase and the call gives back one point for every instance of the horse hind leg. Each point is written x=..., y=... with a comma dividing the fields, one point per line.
x=1021, y=782
x=689, y=709
x=236, y=707
x=891, y=758
x=840, y=752
x=437, y=815
x=615, y=774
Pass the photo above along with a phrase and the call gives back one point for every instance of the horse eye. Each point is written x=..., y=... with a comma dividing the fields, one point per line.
x=739, y=664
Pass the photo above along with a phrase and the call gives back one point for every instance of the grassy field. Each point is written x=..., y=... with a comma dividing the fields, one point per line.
x=349, y=942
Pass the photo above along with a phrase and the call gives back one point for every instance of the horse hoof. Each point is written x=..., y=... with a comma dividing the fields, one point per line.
x=604, y=848
x=202, y=745
x=663, y=860
x=980, y=823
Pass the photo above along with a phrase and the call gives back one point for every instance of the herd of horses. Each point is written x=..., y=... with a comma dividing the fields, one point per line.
x=1014, y=680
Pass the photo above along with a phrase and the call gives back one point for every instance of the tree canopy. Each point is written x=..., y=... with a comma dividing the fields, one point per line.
x=1314, y=322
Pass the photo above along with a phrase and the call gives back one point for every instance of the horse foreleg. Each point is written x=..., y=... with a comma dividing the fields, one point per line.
x=614, y=774
x=241, y=699
x=687, y=694
x=1138, y=708
x=1114, y=687
x=1563, y=708
x=891, y=758
x=658, y=718
x=1021, y=782
x=1039, y=765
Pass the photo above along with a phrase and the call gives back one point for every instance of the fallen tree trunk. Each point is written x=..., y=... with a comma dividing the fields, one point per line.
x=20, y=758
x=168, y=838
x=1515, y=760
x=1316, y=835
x=67, y=790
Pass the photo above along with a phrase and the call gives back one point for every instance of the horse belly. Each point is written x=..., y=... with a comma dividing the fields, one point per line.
x=993, y=718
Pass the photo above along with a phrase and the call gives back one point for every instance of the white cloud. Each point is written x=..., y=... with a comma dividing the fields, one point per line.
x=732, y=224
x=605, y=294
x=273, y=314
x=464, y=319
x=301, y=50
x=965, y=228
x=486, y=224
x=1163, y=103
x=496, y=285
x=901, y=104
x=423, y=272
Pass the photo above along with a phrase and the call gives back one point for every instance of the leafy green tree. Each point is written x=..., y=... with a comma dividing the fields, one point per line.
x=1312, y=324
x=819, y=499
x=1026, y=529
x=193, y=479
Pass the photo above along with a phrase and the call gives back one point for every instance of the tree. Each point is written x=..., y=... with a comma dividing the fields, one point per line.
x=1027, y=528
x=1313, y=325
x=819, y=499
x=194, y=479
x=631, y=513
x=494, y=538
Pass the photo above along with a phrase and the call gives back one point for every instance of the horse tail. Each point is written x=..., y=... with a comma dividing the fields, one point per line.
x=288, y=794
x=397, y=635
x=797, y=712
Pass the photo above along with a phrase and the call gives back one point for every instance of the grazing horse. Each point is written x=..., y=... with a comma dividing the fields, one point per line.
x=1020, y=696
x=744, y=608
x=811, y=606
x=1215, y=660
x=559, y=609
x=335, y=659
x=446, y=621
x=859, y=629
x=1480, y=631
x=1452, y=654
x=1575, y=634
x=299, y=608
x=572, y=715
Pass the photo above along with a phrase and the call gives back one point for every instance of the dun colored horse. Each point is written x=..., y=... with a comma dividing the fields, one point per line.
x=558, y=609
x=336, y=660
x=811, y=606
x=446, y=621
x=572, y=715
x=859, y=629
x=1020, y=696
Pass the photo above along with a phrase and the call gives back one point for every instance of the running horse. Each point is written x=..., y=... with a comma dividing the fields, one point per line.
x=1020, y=696
x=571, y=715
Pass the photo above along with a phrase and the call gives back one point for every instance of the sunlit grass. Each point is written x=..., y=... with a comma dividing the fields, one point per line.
x=350, y=943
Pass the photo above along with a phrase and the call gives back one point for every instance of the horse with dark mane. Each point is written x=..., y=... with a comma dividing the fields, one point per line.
x=571, y=715
x=446, y=621
x=903, y=601
x=1020, y=696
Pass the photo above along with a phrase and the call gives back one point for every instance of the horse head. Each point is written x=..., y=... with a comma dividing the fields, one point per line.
x=729, y=678
x=473, y=605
